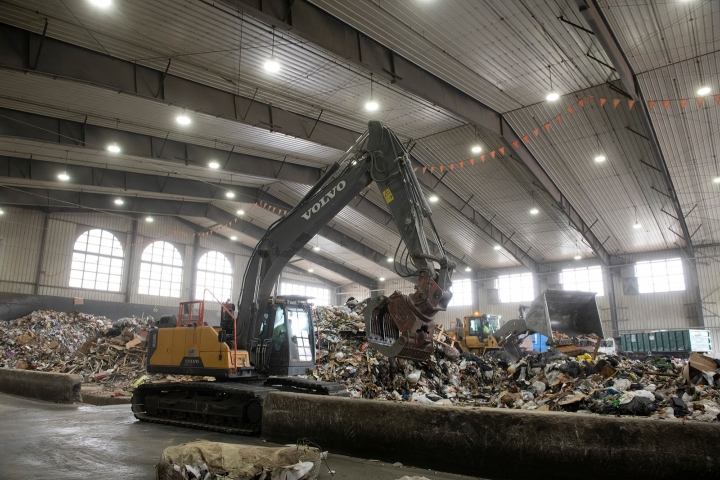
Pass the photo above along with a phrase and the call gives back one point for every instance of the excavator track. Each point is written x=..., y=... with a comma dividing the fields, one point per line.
x=227, y=407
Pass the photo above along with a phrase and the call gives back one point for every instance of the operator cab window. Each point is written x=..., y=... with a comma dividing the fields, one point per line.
x=299, y=324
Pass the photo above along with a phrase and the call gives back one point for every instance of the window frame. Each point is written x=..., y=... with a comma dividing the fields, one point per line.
x=467, y=291
x=295, y=288
x=520, y=277
x=199, y=292
x=590, y=282
x=656, y=277
x=151, y=263
x=85, y=230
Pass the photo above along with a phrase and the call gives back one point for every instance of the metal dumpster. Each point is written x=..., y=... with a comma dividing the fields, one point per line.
x=568, y=312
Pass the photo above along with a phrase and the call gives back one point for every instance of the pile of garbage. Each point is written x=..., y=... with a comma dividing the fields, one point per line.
x=608, y=385
x=111, y=353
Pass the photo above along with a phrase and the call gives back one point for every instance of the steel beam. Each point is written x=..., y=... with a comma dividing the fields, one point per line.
x=66, y=200
x=603, y=32
x=48, y=129
x=70, y=62
x=313, y=24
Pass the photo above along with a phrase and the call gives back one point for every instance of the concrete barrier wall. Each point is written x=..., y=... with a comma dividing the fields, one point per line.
x=497, y=443
x=51, y=387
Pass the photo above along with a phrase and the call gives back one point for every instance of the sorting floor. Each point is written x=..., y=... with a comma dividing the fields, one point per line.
x=47, y=441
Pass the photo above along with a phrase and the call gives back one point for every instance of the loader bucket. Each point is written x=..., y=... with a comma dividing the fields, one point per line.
x=571, y=313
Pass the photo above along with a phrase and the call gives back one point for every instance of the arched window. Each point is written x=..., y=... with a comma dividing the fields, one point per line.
x=97, y=261
x=215, y=274
x=160, y=270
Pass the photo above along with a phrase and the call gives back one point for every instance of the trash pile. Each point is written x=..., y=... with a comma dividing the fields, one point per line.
x=100, y=350
x=609, y=385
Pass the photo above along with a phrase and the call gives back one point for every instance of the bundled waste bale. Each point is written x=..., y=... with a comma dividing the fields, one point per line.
x=212, y=460
x=551, y=380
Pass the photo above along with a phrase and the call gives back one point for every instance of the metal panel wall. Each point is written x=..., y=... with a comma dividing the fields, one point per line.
x=21, y=234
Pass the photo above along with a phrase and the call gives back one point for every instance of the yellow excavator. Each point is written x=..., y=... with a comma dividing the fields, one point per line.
x=272, y=337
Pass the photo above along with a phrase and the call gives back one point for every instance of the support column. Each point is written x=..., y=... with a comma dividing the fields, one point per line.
x=41, y=255
x=129, y=280
x=193, y=275
x=610, y=282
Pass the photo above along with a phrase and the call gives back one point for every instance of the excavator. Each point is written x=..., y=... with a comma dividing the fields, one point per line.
x=272, y=337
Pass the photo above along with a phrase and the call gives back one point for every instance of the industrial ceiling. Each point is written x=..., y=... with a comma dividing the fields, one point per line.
x=447, y=76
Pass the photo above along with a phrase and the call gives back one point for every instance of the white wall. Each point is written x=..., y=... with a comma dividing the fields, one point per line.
x=21, y=236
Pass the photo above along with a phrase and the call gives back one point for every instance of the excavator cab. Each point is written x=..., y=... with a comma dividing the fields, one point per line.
x=482, y=326
x=286, y=341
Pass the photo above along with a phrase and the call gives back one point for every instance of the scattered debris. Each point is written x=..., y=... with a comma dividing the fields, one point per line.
x=609, y=385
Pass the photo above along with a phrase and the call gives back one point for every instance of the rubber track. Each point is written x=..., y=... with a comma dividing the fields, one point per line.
x=254, y=389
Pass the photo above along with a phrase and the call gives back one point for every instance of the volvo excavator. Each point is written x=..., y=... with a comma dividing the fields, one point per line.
x=272, y=337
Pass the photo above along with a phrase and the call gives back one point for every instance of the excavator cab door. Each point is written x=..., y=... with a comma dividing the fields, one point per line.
x=292, y=334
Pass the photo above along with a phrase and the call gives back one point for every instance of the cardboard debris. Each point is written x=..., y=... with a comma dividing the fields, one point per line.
x=608, y=385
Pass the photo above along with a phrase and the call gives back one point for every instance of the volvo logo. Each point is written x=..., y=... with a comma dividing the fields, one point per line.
x=330, y=194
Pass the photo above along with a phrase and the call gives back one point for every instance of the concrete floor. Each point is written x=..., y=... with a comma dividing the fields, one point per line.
x=47, y=441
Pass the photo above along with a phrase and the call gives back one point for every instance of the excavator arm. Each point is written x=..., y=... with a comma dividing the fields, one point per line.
x=398, y=325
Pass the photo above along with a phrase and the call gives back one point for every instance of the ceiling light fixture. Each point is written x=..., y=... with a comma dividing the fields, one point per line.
x=310, y=270
x=229, y=194
x=316, y=248
x=101, y=3
x=113, y=148
x=468, y=269
x=183, y=119
x=233, y=238
x=577, y=257
x=149, y=219
x=214, y=164
x=64, y=176
x=240, y=212
x=476, y=149
x=553, y=95
x=382, y=279
x=704, y=90
x=497, y=247
x=119, y=201
x=716, y=179
x=272, y=65
x=371, y=105
x=433, y=198
x=390, y=260
x=534, y=210
x=636, y=225
x=600, y=159
x=2, y=212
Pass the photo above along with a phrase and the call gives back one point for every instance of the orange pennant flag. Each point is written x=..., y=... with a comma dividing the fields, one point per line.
x=666, y=104
x=462, y=164
x=432, y=169
x=588, y=99
x=502, y=150
x=442, y=167
x=559, y=119
x=616, y=102
x=256, y=204
x=424, y=169
x=526, y=139
x=602, y=101
x=452, y=167
x=717, y=99
x=651, y=104
x=415, y=169
x=581, y=102
x=631, y=103
x=570, y=110
x=492, y=154
x=472, y=160
x=683, y=102
x=516, y=144
x=699, y=101
x=536, y=132
x=547, y=126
